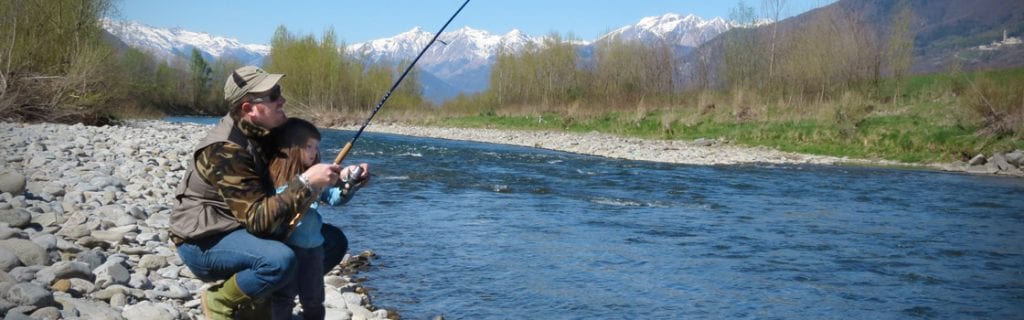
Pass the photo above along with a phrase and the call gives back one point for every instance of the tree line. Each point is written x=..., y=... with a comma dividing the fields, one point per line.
x=57, y=64
x=554, y=74
x=325, y=82
x=821, y=59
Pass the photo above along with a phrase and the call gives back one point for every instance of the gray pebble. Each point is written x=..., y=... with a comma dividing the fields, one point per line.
x=47, y=241
x=92, y=257
x=148, y=310
x=82, y=286
x=109, y=274
x=152, y=262
x=65, y=270
x=47, y=313
x=18, y=313
x=118, y=300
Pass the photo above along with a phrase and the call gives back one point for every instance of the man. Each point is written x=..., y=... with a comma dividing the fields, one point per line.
x=228, y=213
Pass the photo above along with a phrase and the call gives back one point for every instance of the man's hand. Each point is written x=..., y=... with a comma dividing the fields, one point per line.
x=322, y=175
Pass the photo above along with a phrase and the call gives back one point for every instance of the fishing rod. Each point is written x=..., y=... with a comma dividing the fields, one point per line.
x=348, y=146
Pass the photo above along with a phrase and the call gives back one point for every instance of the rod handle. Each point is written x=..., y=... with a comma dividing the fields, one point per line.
x=343, y=153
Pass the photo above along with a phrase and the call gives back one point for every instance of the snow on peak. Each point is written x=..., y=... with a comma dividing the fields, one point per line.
x=465, y=44
x=689, y=30
x=168, y=42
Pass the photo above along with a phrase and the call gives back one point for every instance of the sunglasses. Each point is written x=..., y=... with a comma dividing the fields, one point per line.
x=274, y=94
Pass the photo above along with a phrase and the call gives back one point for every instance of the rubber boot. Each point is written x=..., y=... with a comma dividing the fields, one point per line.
x=220, y=301
x=257, y=309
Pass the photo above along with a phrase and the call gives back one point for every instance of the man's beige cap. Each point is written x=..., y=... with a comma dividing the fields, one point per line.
x=248, y=79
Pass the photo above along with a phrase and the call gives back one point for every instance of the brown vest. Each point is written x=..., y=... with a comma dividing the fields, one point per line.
x=201, y=211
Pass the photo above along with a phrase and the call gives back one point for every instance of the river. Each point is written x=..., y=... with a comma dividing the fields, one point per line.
x=482, y=231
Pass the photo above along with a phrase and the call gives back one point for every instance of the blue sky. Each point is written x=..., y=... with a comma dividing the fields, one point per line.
x=254, y=21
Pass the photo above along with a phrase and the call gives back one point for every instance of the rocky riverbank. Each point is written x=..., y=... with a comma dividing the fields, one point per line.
x=83, y=226
x=84, y=212
x=698, y=152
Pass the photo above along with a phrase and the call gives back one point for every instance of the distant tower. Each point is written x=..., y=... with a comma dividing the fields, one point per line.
x=1004, y=35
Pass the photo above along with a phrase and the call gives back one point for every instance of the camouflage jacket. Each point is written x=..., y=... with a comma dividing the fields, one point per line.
x=228, y=187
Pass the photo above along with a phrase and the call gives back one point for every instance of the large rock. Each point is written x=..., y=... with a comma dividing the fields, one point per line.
x=152, y=262
x=8, y=232
x=82, y=286
x=978, y=160
x=140, y=281
x=24, y=273
x=113, y=212
x=111, y=273
x=103, y=182
x=169, y=288
x=114, y=235
x=47, y=313
x=65, y=270
x=1001, y=161
x=87, y=309
x=45, y=240
x=30, y=294
x=30, y=253
x=94, y=258
x=17, y=218
x=12, y=182
x=49, y=219
x=1016, y=158
x=361, y=313
x=8, y=260
x=18, y=313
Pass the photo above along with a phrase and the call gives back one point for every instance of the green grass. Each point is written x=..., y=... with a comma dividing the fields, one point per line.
x=929, y=123
x=901, y=138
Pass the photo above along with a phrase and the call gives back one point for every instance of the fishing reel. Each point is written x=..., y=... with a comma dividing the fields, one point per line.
x=353, y=179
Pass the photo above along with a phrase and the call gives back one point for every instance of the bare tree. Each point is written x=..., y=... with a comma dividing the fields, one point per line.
x=773, y=9
x=899, y=50
x=741, y=53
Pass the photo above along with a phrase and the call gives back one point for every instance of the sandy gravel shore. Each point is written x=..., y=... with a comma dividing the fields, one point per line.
x=697, y=152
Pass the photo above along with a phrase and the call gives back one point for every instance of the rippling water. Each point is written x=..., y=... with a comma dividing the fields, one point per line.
x=480, y=231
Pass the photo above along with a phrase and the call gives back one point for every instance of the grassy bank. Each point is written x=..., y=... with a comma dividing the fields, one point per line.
x=934, y=118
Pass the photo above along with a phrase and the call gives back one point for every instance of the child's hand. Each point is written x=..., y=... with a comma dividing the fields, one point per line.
x=322, y=175
x=355, y=176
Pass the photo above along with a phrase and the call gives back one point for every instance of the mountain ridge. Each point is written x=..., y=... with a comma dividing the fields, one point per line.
x=462, y=61
x=169, y=42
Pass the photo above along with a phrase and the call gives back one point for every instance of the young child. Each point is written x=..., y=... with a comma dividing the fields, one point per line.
x=295, y=149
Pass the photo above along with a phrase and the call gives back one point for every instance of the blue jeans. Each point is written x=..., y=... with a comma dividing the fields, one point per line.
x=335, y=246
x=308, y=284
x=260, y=265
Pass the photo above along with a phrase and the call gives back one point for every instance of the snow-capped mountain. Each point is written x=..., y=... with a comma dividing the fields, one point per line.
x=461, y=57
x=462, y=44
x=168, y=43
x=459, y=63
x=673, y=29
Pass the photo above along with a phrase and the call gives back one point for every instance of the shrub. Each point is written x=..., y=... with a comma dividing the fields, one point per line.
x=53, y=63
x=999, y=105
